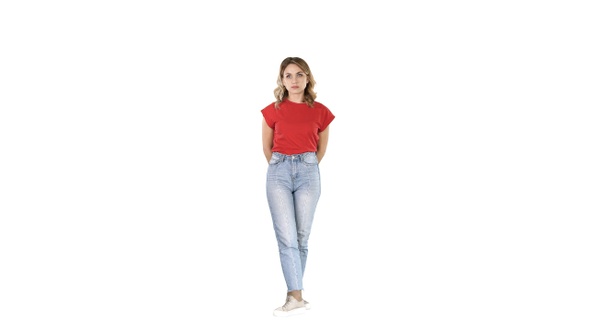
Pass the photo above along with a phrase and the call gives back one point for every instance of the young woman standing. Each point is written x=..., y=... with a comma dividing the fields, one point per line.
x=295, y=131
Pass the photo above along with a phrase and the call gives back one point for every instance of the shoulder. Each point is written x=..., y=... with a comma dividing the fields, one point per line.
x=269, y=107
x=320, y=106
x=270, y=111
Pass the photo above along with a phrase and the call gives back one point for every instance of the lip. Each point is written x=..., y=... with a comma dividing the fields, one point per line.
x=294, y=86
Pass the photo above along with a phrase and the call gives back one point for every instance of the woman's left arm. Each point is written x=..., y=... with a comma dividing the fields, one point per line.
x=323, y=143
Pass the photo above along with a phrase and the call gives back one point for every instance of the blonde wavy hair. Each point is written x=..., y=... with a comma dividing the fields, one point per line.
x=281, y=92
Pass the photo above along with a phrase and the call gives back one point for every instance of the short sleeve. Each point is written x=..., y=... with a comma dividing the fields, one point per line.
x=327, y=118
x=269, y=114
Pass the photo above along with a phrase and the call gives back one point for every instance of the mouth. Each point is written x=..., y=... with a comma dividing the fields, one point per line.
x=294, y=86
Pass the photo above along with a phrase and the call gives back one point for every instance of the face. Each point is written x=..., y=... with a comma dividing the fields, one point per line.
x=294, y=79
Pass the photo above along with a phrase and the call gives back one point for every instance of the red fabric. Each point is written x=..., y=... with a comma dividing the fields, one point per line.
x=296, y=126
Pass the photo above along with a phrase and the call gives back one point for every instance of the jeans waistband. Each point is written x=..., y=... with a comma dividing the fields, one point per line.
x=299, y=156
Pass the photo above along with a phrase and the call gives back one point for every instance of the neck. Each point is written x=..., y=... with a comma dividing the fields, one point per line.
x=298, y=98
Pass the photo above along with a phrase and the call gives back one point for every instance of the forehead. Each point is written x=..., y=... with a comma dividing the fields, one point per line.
x=292, y=68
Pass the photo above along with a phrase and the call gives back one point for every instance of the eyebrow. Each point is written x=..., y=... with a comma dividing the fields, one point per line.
x=299, y=72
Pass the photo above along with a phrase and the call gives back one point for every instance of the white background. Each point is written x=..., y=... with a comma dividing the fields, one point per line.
x=455, y=187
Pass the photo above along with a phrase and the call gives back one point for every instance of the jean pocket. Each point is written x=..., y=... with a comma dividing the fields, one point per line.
x=310, y=158
x=274, y=159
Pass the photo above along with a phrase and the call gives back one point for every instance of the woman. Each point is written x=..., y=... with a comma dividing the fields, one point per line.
x=294, y=141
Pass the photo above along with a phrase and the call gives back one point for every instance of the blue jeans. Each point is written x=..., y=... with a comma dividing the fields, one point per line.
x=293, y=191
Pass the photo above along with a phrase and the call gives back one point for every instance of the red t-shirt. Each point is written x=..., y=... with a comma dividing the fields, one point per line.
x=296, y=125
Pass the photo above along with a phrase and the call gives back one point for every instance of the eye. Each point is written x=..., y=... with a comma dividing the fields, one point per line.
x=299, y=75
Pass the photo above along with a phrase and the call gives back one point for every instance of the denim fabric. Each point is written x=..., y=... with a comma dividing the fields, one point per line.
x=293, y=190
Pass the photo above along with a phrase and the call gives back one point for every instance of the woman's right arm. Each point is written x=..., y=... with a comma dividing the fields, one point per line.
x=267, y=137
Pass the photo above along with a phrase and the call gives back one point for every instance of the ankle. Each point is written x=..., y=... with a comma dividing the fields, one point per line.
x=296, y=294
